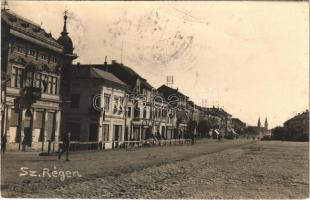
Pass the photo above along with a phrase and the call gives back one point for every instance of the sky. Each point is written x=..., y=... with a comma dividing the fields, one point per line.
x=250, y=58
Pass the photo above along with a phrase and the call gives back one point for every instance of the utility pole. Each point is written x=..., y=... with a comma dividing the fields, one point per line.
x=4, y=4
x=122, y=52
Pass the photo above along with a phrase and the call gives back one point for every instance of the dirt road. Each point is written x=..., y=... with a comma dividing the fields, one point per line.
x=209, y=169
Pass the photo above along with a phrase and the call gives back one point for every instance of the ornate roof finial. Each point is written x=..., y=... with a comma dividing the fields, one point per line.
x=64, y=32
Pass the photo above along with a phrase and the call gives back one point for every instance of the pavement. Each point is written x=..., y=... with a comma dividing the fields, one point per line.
x=209, y=169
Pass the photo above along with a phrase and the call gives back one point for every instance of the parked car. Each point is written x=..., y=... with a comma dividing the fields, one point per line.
x=266, y=137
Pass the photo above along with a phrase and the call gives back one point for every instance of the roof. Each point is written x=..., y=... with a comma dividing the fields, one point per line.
x=299, y=116
x=168, y=90
x=27, y=27
x=238, y=121
x=124, y=73
x=95, y=73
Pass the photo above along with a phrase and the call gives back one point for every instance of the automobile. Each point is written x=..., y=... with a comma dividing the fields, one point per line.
x=266, y=137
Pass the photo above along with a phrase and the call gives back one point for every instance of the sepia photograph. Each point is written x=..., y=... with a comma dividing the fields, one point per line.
x=155, y=99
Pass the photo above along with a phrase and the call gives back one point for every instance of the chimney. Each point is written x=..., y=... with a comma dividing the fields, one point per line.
x=78, y=64
x=105, y=60
x=114, y=62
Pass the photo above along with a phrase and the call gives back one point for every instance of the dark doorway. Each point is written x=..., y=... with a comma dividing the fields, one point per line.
x=28, y=136
x=27, y=129
x=117, y=134
x=126, y=133
x=93, y=132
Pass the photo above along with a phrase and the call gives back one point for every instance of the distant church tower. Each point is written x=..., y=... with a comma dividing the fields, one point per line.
x=258, y=123
x=266, y=124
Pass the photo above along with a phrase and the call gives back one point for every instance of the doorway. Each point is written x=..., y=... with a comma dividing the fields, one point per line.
x=117, y=134
x=93, y=132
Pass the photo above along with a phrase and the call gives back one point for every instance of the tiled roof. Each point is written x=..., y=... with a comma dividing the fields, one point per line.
x=133, y=73
x=106, y=75
x=91, y=72
x=170, y=90
x=299, y=116
x=27, y=27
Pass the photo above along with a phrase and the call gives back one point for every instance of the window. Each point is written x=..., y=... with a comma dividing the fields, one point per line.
x=20, y=49
x=116, y=102
x=106, y=103
x=50, y=126
x=144, y=113
x=13, y=78
x=49, y=85
x=44, y=82
x=151, y=113
x=38, y=124
x=37, y=80
x=54, y=60
x=136, y=111
x=32, y=52
x=54, y=85
x=105, y=132
x=129, y=112
x=29, y=79
x=14, y=118
x=75, y=100
x=44, y=56
x=16, y=77
x=164, y=113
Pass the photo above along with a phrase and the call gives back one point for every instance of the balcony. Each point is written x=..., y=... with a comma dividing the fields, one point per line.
x=30, y=95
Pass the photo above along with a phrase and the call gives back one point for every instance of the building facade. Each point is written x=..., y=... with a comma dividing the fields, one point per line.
x=298, y=126
x=238, y=125
x=139, y=101
x=97, y=107
x=34, y=60
x=177, y=104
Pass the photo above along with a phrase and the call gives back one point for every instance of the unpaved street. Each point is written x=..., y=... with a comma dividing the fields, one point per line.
x=209, y=169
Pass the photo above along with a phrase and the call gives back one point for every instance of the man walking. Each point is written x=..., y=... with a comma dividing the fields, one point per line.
x=65, y=146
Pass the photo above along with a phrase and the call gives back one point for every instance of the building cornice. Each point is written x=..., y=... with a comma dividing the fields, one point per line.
x=37, y=40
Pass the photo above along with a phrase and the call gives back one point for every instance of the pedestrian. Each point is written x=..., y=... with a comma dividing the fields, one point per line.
x=220, y=137
x=3, y=143
x=100, y=145
x=193, y=138
x=65, y=146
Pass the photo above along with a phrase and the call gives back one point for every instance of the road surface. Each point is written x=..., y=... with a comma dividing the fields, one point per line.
x=208, y=169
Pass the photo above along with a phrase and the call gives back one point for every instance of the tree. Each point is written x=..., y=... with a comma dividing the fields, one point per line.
x=191, y=125
x=204, y=127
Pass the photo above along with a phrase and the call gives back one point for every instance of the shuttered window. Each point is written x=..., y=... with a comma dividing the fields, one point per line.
x=50, y=126
x=14, y=118
x=38, y=123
